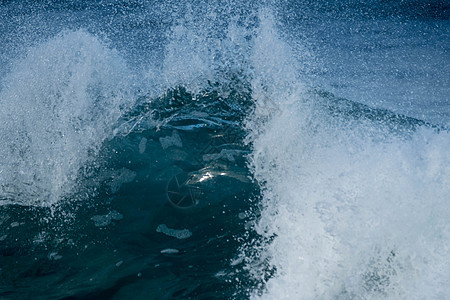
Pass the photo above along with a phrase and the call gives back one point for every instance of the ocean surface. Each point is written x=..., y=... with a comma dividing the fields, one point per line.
x=224, y=149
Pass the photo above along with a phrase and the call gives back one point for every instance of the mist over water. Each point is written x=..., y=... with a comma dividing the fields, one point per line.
x=172, y=150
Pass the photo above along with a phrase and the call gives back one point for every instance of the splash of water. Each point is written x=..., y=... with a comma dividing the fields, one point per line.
x=351, y=208
x=59, y=103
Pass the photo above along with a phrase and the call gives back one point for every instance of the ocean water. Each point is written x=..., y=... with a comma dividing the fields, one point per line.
x=224, y=149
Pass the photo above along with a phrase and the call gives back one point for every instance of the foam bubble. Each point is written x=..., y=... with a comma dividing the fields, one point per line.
x=176, y=233
x=105, y=220
x=170, y=251
x=171, y=140
x=120, y=177
x=142, y=145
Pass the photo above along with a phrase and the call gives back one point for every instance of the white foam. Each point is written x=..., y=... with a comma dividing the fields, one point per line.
x=200, y=52
x=118, y=264
x=142, y=145
x=120, y=177
x=59, y=103
x=105, y=220
x=170, y=251
x=353, y=213
x=176, y=233
x=54, y=256
x=171, y=140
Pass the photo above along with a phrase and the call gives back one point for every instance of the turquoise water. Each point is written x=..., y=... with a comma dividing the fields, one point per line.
x=175, y=150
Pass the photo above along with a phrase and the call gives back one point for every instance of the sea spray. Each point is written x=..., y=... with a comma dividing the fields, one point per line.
x=343, y=201
x=349, y=209
x=59, y=103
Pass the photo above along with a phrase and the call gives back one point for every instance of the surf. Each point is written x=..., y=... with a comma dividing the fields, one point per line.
x=354, y=199
x=209, y=160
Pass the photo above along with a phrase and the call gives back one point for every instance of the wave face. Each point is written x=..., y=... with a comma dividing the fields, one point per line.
x=172, y=150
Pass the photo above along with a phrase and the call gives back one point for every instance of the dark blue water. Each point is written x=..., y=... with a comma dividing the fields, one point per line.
x=128, y=227
x=176, y=150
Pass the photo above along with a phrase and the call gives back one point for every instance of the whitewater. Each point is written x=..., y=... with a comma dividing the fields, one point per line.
x=224, y=150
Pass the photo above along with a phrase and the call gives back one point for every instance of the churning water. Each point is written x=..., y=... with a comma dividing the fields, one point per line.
x=175, y=150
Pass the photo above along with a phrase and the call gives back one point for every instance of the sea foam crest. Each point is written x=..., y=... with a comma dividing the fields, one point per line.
x=351, y=212
x=59, y=103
